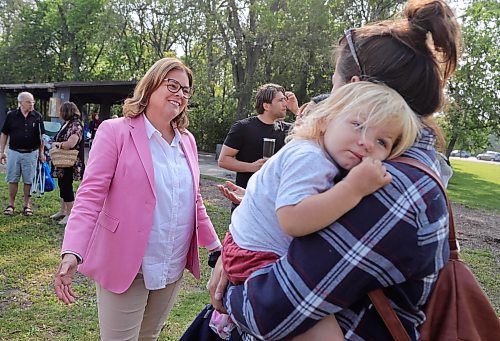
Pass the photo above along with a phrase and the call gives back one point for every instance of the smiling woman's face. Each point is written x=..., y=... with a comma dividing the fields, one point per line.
x=165, y=103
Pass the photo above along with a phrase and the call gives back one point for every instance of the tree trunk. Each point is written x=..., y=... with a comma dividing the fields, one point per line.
x=451, y=145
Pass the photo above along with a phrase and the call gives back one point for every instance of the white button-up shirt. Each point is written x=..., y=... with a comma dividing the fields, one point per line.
x=174, y=214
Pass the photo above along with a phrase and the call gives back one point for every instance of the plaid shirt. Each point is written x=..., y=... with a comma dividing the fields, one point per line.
x=395, y=239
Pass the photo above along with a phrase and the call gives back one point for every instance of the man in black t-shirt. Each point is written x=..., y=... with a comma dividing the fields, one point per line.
x=242, y=149
x=24, y=128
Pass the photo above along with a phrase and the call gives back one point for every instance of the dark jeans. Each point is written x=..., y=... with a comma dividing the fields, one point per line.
x=66, y=185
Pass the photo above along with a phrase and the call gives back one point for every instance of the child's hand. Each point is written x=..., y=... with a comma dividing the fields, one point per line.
x=368, y=176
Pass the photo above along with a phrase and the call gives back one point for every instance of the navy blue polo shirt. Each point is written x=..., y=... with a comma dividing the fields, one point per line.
x=24, y=132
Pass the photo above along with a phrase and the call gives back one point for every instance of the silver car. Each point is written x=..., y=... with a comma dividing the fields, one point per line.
x=489, y=156
x=460, y=153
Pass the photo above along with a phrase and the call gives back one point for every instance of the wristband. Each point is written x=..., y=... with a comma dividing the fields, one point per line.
x=213, y=257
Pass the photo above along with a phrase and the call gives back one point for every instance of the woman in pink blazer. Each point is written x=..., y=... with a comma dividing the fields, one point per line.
x=138, y=216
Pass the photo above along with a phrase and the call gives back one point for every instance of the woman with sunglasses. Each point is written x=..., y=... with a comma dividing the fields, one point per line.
x=396, y=238
x=138, y=215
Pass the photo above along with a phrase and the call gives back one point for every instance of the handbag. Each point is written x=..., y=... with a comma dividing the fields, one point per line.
x=458, y=308
x=199, y=329
x=63, y=158
x=50, y=183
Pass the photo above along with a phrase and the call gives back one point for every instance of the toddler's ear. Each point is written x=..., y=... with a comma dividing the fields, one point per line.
x=323, y=124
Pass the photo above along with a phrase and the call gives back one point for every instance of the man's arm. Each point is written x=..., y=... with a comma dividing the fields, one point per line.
x=227, y=160
x=41, y=148
x=3, y=144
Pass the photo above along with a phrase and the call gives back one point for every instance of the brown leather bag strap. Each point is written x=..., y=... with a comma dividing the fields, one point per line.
x=388, y=315
x=378, y=298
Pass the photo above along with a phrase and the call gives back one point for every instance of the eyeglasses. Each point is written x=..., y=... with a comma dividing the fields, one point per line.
x=350, y=43
x=174, y=86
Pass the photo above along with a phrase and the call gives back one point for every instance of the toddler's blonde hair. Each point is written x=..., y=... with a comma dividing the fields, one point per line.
x=376, y=103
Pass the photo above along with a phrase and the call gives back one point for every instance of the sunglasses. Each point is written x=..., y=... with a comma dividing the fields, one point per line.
x=174, y=86
x=350, y=43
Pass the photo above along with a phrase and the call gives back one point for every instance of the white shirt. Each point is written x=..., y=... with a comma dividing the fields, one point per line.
x=174, y=214
x=299, y=170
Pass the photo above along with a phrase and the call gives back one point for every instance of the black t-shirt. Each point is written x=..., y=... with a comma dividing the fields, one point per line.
x=247, y=136
x=24, y=133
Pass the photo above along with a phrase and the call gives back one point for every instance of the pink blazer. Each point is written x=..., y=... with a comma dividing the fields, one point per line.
x=110, y=222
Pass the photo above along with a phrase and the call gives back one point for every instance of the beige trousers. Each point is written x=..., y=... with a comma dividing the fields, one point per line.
x=137, y=314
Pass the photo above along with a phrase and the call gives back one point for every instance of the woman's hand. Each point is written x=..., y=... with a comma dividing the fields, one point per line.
x=217, y=286
x=232, y=192
x=64, y=277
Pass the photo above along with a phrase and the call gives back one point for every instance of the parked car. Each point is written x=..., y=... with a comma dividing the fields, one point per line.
x=460, y=153
x=489, y=156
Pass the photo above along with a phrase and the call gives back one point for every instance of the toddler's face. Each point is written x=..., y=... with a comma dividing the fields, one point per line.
x=347, y=141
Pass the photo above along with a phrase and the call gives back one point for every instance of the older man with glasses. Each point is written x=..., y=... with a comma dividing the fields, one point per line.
x=23, y=128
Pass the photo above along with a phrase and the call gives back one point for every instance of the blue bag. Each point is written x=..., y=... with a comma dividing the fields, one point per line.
x=50, y=183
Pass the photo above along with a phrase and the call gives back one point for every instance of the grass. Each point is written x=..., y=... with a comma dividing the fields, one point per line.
x=475, y=184
x=29, y=255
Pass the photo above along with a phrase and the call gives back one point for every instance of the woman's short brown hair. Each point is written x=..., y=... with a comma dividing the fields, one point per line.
x=68, y=111
x=153, y=78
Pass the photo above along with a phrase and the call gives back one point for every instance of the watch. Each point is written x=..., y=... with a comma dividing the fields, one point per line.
x=213, y=257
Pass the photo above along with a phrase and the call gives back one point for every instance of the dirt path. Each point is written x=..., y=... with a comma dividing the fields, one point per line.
x=476, y=229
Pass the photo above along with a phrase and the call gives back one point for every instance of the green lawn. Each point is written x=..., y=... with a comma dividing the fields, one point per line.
x=29, y=255
x=475, y=184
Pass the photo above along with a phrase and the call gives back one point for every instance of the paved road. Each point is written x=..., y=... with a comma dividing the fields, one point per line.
x=473, y=159
x=208, y=166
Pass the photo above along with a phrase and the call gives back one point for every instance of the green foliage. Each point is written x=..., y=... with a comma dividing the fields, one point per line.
x=472, y=115
x=233, y=47
x=486, y=269
x=475, y=184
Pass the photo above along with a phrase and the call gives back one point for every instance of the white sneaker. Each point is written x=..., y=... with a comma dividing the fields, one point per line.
x=57, y=215
x=64, y=220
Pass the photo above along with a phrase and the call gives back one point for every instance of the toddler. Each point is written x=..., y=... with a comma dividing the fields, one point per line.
x=294, y=194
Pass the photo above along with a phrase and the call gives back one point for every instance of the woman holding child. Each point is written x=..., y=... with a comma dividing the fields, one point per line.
x=396, y=237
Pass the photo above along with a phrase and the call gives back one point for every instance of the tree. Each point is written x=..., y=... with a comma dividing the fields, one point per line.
x=472, y=114
x=55, y=40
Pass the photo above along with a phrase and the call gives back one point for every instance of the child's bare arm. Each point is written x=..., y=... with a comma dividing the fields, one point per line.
x=318, y=211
